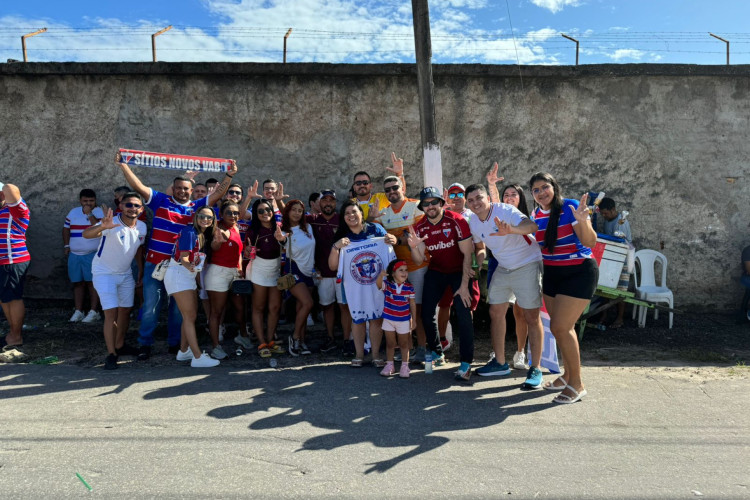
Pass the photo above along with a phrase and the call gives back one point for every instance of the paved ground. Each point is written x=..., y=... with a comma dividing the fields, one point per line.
x=327, y=430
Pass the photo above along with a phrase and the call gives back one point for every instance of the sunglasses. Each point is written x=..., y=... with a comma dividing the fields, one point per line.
x=392, y=188
x=262, y=211
x=434, y=202
x=232, y=213
x=205, y=217
x=238, y=193
x=132, y=205
x=455, y=195
x=361, y=183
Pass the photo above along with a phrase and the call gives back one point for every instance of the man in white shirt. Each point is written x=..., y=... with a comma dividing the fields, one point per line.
x=121, y=240
x=80, y=253
x=504, y=229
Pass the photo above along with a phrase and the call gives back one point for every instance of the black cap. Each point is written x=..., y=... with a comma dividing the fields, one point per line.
x=429, y=192
x=328, y=192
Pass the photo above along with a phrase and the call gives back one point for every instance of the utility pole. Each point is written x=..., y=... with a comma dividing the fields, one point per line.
x=285, y=37
x=431, y=161
x=23, y=41
x=572, y=40
x=725, y=41
x=153, y=40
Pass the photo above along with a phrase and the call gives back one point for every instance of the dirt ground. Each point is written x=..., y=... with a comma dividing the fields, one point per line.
x=707, y=345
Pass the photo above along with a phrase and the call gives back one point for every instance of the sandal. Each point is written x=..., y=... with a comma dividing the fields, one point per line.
x=275, y=348
x=550, y=386
x=378, y=363
x=356, y=363
x=264, y=351
x=566, y=400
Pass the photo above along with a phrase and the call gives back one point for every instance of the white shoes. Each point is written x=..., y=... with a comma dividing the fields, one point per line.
x=519, y=361
x=77, y=316
x=205, y=361
x=185, y=356
x=91, y=317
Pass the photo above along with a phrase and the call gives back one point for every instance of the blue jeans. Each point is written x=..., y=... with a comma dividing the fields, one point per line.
x=435, y=284
x=154, y=295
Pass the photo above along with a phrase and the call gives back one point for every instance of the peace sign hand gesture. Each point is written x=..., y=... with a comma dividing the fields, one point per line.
x=492, y=177
x=398, y=165
x=413, y=239
x=107, y=222
x=582, y=212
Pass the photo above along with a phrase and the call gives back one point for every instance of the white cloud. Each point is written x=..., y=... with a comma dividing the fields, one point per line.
x=620, y=54
x=619, y=29
x=556, y=6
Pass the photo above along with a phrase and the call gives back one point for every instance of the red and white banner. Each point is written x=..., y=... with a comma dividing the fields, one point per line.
x=149, y=159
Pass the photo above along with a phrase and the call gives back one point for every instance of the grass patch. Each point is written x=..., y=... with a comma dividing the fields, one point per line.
x=702, y=356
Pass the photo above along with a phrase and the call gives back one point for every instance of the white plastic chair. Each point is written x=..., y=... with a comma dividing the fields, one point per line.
x=646, y=287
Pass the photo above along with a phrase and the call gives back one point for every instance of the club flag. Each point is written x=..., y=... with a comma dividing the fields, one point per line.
x=549, y=351
x=136, y=158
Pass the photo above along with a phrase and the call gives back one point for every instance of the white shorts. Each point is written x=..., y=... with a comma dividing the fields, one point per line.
x=219, y=278
x=329, y=291
x=525, y=283
x=416, y=278
x=400, y=327
x=115, y=290
x=178, y=278
x=265, y=272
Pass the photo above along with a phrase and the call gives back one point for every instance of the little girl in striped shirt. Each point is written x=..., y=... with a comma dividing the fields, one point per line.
x=399, y=312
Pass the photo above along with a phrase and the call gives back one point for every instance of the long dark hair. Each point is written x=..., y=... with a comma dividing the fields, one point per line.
x=255, y=223
x=207, y=235
x=550, y=234
x=286, y=222
x=343, y=228
x=522, y=205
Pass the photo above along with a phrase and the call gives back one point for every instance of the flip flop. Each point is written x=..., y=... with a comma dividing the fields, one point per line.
x=566, y=400
x=549, y=386
x=12, y=355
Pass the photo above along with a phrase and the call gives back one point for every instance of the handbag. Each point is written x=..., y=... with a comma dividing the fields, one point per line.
x=287, y=281
x=160, y=270
x=242, y=287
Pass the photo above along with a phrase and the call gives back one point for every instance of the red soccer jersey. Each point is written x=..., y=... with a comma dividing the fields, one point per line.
x=229, y=253
x=442, y=241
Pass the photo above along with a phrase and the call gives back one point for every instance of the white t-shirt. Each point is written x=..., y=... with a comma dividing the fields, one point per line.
x=303, y=250
x=511, y=251
x=77, y=221
x=117, y=247
x=360, y=264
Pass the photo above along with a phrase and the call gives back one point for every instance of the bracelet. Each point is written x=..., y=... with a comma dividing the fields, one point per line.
x=230, y=176
x=66, y=246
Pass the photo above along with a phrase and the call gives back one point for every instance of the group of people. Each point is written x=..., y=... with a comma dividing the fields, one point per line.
x=393, y=264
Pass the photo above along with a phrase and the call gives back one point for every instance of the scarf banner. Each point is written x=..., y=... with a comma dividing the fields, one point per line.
x=136, y=158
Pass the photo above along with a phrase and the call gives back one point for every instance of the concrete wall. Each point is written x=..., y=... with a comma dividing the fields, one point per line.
x=669, y=143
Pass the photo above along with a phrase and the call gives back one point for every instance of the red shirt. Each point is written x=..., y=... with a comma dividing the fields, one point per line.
x=442, y=241
x=228, y=255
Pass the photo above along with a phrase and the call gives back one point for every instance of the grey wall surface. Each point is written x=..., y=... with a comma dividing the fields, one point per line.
x=669, y=143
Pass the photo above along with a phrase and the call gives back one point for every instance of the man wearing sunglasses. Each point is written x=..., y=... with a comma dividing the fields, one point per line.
x=122, y=237
x=171, y=215
x=445, y=237
x=373, y=203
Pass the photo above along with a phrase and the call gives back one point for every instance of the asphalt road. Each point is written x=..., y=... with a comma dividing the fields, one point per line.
x=333, y=431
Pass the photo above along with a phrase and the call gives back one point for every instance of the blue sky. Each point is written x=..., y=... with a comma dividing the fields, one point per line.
x=369, y=31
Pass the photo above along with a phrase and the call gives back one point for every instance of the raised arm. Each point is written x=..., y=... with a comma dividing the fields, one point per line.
x=214, y=197
x=398, y=170
x=583, y=229
x=12, y=194
x=492, y=180
x=133, y=179
x=252, y=192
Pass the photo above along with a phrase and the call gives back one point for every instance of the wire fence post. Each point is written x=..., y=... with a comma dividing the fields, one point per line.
x=725, y=41
x=23, y=41
x=572, y=40
x=153, y=41
x=285, y=37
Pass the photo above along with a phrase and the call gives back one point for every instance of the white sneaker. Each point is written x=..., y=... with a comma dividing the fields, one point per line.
x=77, y=316
x=204, y=361
x=222, y=331
x=310, y=321
x=91, y=317
x=185, y=356
x=519, y=361
x=244, y=342
x=218, y=353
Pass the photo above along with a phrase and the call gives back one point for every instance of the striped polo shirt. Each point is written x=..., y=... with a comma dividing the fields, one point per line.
x=396, y=307
x=170, y=217
x=568, y=250
x=14, y=220
x=77, y=222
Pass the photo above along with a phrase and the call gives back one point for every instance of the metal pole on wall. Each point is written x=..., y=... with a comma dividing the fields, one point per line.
x=285, y=37
x=573, y=40
x=725, y=41
x=23, y=41
x=432, y=163
x=153, y=41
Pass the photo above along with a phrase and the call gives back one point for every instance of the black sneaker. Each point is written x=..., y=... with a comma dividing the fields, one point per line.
x=144, y=352
x=348, y=350
x=110, y=362
x=173, y=349
x=293, y=346
x=329, y=346
x=128, y=350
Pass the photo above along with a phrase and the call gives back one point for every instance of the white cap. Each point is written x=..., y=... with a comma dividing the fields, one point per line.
x=1, y=185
